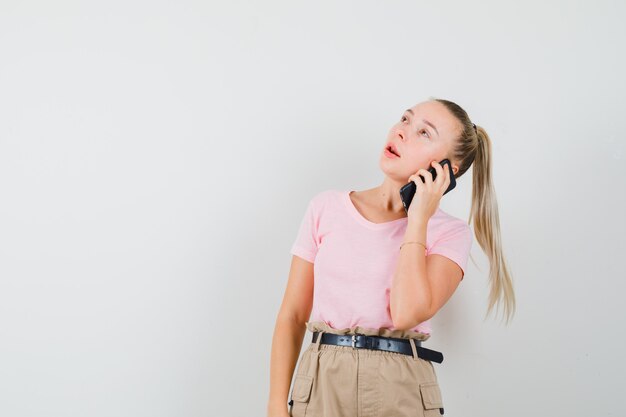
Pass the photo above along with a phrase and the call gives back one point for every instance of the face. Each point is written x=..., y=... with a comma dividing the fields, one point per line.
x=423, y=133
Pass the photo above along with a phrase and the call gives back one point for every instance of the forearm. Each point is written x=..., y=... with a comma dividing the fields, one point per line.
x=410, y=296
x=286, y=346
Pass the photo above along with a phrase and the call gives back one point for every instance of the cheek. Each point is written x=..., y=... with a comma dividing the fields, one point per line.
x=419, y=156
x=418, y=152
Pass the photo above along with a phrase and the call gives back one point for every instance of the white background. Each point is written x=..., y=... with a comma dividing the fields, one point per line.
x=156, y=159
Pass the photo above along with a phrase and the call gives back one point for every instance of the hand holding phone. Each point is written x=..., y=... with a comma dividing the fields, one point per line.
x=408, y=191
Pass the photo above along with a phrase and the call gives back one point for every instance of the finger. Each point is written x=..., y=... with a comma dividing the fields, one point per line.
x=428, y=177
x=417, y=180
x=425, y=184
x=439, y=170
x=445, y=171
x=446, y=180
x=419, y=184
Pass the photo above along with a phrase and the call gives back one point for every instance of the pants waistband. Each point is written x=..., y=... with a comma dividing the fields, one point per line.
x=361, y=341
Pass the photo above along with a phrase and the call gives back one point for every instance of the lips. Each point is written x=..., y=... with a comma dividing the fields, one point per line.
x=391, y=148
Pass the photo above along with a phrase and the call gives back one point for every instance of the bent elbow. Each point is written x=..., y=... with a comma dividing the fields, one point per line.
x=400, y=326
x=407, y=323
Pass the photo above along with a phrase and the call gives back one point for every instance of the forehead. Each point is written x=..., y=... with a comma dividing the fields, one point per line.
x=437, y=114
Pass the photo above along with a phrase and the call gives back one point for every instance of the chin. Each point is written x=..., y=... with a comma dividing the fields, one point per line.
x=392, y=173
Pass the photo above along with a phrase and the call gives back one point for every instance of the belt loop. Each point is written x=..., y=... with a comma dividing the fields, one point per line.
x=315, y=356
x=412, y=342
x=316, y=348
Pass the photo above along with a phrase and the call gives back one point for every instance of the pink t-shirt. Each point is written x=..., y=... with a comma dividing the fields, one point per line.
x=355, y=259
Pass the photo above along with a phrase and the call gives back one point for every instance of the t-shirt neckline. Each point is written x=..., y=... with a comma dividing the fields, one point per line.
x=359, y=217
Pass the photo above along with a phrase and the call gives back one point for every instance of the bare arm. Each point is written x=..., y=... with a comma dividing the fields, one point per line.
x=289, y=332
x=410, y=296
x=422, y=284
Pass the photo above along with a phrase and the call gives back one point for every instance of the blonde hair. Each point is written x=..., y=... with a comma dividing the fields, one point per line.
x=473, y=146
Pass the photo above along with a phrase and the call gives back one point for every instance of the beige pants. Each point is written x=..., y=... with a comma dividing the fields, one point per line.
x=342, y=381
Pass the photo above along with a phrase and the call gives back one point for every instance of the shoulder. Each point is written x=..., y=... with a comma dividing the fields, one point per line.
x=449, y=224
x=324, y=198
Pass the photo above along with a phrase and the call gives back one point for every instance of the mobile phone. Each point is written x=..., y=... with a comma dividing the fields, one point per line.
x=408, y=191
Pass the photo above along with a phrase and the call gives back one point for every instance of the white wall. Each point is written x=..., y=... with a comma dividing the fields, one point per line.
x=156, y=159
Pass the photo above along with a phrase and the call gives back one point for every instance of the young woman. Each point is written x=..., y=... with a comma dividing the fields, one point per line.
x=366, y=278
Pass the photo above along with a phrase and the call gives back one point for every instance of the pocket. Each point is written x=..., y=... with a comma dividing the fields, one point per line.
x=431, y=399
x=300, y=395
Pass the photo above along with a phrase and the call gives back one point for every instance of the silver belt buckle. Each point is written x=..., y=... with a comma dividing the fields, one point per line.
x=353, y=340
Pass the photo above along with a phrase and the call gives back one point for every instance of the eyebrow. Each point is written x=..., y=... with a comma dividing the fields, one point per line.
x=425, y=121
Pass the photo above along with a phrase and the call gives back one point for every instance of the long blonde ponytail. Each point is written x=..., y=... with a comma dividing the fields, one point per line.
x=474, y=147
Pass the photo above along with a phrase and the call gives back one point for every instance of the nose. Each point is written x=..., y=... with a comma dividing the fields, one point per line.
x=400, y=134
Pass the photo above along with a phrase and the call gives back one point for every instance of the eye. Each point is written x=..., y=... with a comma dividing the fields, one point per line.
x=403, y=118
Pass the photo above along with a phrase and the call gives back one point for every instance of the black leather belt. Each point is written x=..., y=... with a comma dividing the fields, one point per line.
x=389, y=344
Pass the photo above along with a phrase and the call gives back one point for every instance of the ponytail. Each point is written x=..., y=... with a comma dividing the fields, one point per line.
x=474, y=147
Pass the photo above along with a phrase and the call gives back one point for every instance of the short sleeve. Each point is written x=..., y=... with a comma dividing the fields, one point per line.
x=455, y=244
x=306, y=242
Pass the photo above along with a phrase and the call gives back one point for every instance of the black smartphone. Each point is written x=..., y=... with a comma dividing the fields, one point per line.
x=408, y=191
